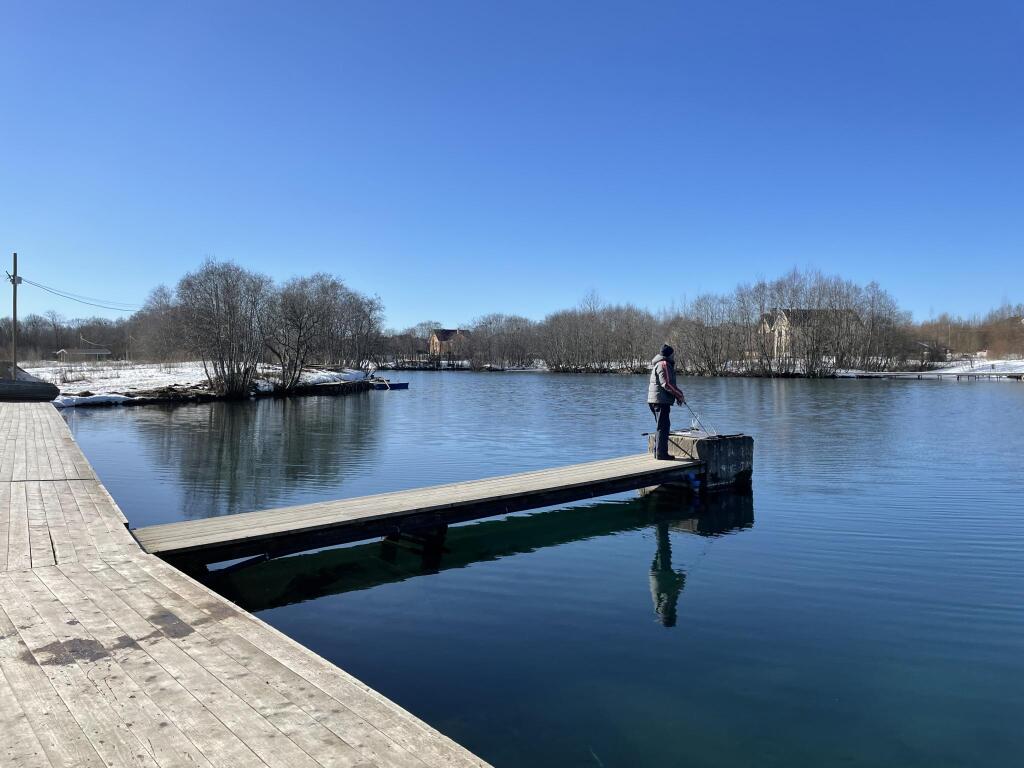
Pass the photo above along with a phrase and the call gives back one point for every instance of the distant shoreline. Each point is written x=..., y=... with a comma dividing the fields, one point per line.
x=1001, y=369
x=132, y=384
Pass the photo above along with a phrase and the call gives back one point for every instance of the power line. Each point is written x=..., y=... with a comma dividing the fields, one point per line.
x=85, y=298
x=81, y=297
x=80, y=301
x=101, y=303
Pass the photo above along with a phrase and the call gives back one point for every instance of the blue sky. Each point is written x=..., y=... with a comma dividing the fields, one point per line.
x=458, y=158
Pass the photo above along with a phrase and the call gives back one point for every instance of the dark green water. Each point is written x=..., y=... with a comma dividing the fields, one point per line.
x=864, y=606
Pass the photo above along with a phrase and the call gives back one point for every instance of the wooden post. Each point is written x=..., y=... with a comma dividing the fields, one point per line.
x=14, y=322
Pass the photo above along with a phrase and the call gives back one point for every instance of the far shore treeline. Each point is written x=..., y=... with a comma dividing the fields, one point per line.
x=804, y=323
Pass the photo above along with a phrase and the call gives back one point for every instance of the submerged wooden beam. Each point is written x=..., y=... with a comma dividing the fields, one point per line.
x=294, y=529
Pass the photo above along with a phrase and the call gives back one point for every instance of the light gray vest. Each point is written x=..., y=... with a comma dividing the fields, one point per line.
x=656, y=392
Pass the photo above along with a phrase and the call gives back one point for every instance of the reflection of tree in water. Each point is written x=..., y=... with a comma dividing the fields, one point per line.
x=239, y=457
x=666, y=584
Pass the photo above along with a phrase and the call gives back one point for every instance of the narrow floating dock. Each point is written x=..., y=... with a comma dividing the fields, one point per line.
x=975, y=375
x=110, y=656
x=294, y=529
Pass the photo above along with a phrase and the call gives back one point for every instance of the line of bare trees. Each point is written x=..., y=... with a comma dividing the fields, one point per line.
x=804, y=323
x=589, y=338
x=827, y=324
x=234, y=320
x=1001, y=332
x=40, y=336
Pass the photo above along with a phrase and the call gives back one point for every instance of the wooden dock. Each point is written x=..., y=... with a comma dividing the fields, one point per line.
x=111, y=657
x=975, y=375
x=295, y=529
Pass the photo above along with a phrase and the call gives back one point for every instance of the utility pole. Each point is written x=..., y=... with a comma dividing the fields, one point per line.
x=14, y=321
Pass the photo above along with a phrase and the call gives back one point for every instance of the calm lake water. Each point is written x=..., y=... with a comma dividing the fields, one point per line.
x=864, y=606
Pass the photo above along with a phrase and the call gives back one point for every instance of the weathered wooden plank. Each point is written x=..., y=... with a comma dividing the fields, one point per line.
x=100, y=518
x=163, y=614
x=92, y=706
x=60, y=532
x=5, y=521
x=62, y=498
x=161, y=739
x=313, y=682
x=397, y=500
x=456, y=493
x=109, y=656
x=50, y=466
x=40, y=545
x=7, y=448
x=60, y=736
x=121, y=630
x=19, y=554
x=237, y=535
x=256, y=731
x=19, y=746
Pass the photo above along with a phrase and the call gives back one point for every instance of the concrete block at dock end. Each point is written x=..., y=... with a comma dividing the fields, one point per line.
x=728, y=459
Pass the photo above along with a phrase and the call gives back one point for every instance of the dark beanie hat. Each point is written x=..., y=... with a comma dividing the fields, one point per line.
x=666, y=350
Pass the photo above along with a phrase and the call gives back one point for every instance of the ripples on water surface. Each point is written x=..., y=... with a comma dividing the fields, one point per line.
x=864, y=607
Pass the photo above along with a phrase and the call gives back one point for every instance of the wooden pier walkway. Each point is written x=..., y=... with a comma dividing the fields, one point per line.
x=111, y=657
x=975, y=375
x=295, y=529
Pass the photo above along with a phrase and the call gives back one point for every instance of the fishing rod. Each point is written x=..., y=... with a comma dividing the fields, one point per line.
x=705, y=430
x=697, y=419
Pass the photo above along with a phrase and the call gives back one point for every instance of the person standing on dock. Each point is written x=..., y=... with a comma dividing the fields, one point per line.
x=661, y=393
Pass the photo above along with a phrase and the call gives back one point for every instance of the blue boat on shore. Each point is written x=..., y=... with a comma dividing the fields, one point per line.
x=379, y=382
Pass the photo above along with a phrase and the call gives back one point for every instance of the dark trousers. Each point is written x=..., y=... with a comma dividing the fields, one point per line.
x=661, y=413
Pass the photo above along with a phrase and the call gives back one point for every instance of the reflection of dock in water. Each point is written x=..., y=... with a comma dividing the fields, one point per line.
x=284, y=581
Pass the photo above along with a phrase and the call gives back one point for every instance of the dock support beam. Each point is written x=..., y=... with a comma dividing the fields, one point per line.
x=429, y=542
x=728, y=459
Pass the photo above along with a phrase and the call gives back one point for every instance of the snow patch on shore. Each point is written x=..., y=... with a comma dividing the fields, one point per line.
x=119, y=377
x=979, y=367
x=331, y=377
x=984, y=366
x=112, y=383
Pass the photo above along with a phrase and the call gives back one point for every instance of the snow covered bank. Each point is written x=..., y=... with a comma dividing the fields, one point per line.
x=330, y=377
x=983, y=366
x=117, y=383
x=962, y=367
x=119, y=377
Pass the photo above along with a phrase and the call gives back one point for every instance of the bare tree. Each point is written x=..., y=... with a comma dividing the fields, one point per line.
x=156, y=327
x=354, y=333
x=501, y=341
x=222, y=309
x=297, y=320
x=56, y=327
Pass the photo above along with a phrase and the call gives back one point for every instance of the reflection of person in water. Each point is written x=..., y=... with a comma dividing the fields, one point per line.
x=666, y=584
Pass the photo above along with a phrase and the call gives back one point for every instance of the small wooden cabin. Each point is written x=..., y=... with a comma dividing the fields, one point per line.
x=79, y=355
